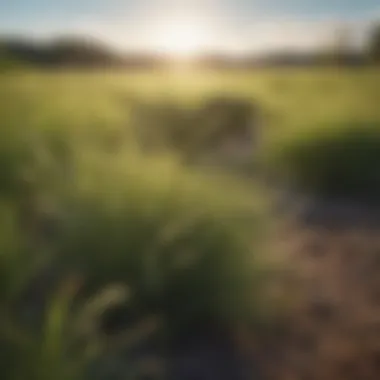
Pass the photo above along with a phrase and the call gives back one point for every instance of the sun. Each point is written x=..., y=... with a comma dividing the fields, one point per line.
x=181, y=39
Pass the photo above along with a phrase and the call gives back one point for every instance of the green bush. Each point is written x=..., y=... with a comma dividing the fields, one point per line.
x=193, y=131
x=185, y=246
x=331, y=161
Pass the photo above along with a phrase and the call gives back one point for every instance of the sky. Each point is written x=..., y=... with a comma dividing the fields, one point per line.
x=233, y=25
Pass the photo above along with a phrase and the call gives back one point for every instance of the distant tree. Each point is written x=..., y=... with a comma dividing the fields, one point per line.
x=341, y=48
x=7, y=61
x=20, y=51
x=74, y=51
x=374, y=43
x=80, y=51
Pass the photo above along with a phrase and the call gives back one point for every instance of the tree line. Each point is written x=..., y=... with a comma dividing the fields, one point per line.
x=67, y=51
x=87, y=53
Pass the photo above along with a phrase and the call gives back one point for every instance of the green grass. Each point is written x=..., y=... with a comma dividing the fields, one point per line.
x=187, y=245
x=291, y=97
x=81, y=103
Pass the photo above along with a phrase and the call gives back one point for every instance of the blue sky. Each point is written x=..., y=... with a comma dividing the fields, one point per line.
x=229, y=23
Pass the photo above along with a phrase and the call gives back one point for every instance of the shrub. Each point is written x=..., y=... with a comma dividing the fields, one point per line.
x=193, y=132
x=185, y=249
x=331, y=161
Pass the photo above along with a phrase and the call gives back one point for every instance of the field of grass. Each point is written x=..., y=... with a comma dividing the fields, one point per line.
x=103, y=245
x=293, y=96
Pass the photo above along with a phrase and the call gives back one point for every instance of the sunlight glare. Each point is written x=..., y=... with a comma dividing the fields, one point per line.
x=181, y=39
